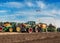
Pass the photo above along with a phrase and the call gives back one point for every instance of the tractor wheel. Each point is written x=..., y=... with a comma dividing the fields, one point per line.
x=10, y=29
x=36, y=30
x=18, y=29
x=30, y=30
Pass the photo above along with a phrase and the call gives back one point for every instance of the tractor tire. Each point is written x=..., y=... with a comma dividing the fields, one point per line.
x=36, y=30
x=30, y=30
x=10, y=29
x=18, y=29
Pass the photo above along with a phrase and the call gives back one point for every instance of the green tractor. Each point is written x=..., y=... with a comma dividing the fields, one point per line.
x=7, y=27
x=11, y=27
x=51, y=28
x=32, y=25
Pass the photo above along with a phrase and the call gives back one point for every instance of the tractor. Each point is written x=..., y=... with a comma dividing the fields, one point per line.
x=7, y=27
x=41, y=27
x=11, y=27
x=51, y=28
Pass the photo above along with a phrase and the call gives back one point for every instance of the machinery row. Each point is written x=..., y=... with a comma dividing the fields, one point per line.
x=29, y=27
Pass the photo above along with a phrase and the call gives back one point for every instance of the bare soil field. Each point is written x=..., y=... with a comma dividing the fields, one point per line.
x=43, y=37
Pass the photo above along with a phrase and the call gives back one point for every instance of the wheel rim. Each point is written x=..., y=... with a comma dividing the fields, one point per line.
x=11, y=30
x=30, y=30
x=18, y=29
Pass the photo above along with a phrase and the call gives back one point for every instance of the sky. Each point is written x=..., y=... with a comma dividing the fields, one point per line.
x=46, y=11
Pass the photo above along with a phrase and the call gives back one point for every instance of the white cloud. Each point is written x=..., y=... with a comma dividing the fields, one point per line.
x=55, y=11
x=32, y=13
x=47, y=20
x=30, y=4
x=13, y=4
x=41, y=4
x=3, y=11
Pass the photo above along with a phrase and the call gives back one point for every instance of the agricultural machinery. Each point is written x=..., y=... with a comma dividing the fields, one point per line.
x=29, y=27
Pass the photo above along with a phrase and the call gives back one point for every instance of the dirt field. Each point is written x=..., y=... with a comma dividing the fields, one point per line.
x=52, y=37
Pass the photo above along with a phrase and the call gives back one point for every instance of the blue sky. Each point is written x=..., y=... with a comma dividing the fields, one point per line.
x=46, y=11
